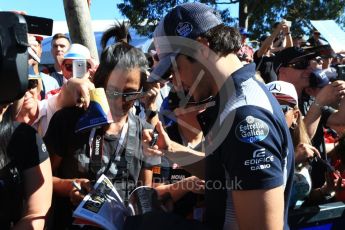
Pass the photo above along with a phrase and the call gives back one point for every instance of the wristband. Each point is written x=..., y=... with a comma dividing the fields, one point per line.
x=151, y=113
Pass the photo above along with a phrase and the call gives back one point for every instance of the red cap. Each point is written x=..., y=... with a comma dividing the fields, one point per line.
x=38, y=38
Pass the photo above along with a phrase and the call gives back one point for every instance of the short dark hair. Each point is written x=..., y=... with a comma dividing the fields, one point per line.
x=121, y=56
x=60, y=35
x=223, y=39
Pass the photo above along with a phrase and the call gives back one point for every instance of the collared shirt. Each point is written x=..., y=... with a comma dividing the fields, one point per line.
x=248, y=146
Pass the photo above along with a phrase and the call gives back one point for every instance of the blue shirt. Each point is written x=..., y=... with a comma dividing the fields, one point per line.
x=49, y=84
x=248, y=146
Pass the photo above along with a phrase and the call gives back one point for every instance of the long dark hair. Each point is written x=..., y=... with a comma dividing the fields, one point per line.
x=6, y=130
x=119, y=55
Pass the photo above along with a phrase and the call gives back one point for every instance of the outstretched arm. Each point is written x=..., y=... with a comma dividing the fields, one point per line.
x=38, y=195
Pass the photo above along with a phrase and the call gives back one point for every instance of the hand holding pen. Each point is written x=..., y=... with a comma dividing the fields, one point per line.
x=80, y=187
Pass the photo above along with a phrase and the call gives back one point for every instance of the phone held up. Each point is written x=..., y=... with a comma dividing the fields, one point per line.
x=79, y=68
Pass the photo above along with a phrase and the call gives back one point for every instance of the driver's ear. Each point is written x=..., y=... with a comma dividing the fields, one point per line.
x=205, y=47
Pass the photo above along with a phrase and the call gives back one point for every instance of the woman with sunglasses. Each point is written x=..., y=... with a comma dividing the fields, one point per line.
x=29, y=111
x=122, y=72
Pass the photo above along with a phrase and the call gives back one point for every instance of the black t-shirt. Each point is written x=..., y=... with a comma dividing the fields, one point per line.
x=25, y=150
x=74, y=149
x=265, y=65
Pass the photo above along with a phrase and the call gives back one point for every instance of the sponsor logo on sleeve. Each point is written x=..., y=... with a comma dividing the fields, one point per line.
x=184, y=29
x=251, y=130
x=260, y=160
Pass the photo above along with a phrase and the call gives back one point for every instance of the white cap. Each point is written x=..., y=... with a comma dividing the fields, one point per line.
x=77, y=51
x=284, y=91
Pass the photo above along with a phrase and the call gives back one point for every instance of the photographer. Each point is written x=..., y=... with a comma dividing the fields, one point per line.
x=25, y=170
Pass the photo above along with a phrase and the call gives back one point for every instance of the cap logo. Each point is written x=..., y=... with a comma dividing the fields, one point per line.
x=184, y=29
x=275, y=87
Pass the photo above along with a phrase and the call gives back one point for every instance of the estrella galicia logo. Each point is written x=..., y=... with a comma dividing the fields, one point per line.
x=184, y=29
x=251, y=130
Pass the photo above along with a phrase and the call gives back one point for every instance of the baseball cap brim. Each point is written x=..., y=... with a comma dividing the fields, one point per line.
x=163, y=66
x=286, y=98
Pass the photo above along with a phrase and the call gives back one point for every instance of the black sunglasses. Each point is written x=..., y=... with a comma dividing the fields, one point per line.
x=130, y=96
x=285, y=108
x=32, y=83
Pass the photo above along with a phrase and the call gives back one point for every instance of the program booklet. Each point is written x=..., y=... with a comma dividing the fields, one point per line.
x=103, y=207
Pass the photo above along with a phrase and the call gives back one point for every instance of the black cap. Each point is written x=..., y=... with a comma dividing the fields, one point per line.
x=188, y=20
x=298, y=57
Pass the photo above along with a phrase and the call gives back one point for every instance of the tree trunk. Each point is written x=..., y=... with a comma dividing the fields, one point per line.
x=243, y=14
x=79, y=25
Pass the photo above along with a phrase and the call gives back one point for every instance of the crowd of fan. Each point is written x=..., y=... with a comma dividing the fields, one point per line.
x=304, y=76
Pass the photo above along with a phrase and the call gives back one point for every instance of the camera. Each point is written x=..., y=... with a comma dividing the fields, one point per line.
x=14, y=52
x=341, y=72
x=13, y=57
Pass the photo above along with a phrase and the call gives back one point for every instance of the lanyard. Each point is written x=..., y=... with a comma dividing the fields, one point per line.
x=96, y=140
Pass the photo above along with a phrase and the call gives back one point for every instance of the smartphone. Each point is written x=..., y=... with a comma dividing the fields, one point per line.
x=79, y=68
x=154, y=138
x=39, y=25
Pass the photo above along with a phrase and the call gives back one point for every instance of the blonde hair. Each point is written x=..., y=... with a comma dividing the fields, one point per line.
x=299, y=133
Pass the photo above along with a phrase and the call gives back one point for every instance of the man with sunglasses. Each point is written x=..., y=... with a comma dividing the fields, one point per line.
x=316, y=95
x=76, y=51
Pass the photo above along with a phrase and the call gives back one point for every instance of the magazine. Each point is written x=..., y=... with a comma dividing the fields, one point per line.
x=103, y=206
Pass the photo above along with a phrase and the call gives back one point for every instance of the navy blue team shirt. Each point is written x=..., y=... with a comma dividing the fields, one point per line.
x=249, y=146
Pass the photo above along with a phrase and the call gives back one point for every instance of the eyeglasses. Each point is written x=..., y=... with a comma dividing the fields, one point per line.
x=286, y=108
x=69, y=67
x=33, y=83
x=128, y=96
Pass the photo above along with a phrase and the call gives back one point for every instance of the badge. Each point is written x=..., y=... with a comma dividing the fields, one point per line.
x=184, y=29
x=251, y=130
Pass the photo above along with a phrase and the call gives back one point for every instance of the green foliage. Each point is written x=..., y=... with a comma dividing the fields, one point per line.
x=298, y=12
x=262, y=14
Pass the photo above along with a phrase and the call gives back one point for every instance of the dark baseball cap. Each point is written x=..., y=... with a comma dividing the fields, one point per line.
x=189, y=20
x=299, y=58
x=318, y=79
